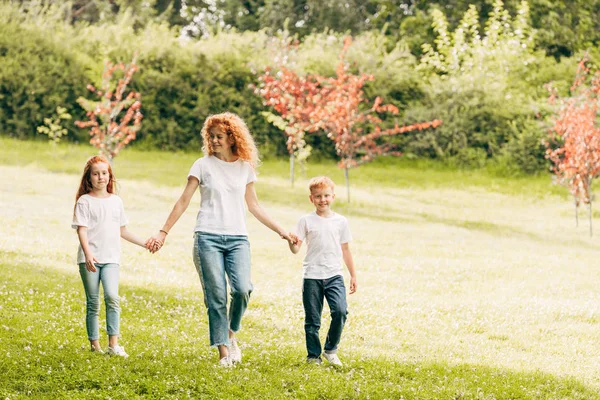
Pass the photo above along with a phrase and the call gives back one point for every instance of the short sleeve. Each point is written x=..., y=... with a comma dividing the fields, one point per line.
x=345, y=235
x=81, y=217
x=251, y=175
x=301, y=229
x=196, y=170
x=123, y=219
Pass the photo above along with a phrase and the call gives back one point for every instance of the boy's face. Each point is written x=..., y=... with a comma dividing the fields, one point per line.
x=322, y=197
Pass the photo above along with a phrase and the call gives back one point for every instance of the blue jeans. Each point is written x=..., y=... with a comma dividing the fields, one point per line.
x=217, y=256
x=108, y=274
x=313, y=292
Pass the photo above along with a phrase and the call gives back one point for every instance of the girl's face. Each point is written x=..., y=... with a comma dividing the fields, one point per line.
x=220, y=141
x=99, y=176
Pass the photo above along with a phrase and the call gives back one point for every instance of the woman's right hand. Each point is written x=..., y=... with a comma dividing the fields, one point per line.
x=90, y=260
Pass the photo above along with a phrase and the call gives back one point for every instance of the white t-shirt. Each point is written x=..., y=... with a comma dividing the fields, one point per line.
x=222, y=195
x=104, y=218
x=324, y=238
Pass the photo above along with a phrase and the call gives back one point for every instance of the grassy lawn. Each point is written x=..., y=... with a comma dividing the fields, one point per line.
x=468, y=289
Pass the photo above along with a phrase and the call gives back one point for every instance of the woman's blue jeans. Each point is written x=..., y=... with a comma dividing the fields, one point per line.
x=313, y=293
x=108, y=274
x=217, y=256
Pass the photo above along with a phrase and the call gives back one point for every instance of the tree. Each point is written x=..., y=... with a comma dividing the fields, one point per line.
x=115, y=118
x=357, y=132
x=297, y=101
x=574, y=143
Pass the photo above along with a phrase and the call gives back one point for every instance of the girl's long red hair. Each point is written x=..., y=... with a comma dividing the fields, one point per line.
x=86, y=180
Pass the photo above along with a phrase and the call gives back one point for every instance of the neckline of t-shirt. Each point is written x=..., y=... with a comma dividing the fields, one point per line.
x=331, y=216
x=223, y=161
x=99, y=198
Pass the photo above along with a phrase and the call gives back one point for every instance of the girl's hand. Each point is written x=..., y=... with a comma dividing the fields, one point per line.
x=90, y=260
x=286, y=236
x=155, y=243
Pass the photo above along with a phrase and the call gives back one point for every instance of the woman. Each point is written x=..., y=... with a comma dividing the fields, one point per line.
x=226, y=176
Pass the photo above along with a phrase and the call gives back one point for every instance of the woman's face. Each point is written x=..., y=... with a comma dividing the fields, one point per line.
x=221, y=142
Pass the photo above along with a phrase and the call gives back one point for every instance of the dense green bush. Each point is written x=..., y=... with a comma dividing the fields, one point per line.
x=37, y=74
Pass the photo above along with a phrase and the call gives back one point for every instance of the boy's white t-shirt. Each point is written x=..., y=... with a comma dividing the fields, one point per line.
x=104, y=218
x=324, y=238
x=222, y=195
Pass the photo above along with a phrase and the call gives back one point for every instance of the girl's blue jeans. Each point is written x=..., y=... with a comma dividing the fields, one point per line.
x=217, y=257
x=313, y=293
x=108, y=274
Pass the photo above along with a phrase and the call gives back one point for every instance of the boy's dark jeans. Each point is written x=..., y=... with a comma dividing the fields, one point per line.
x=313, y=292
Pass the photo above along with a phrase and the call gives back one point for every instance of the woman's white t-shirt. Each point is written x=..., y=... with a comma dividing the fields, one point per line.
x=324, y=238
x=222, y=192
x=104, y=217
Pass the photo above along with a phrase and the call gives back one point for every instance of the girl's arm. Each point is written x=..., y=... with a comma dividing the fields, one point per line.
x=178, y=209
x=90, y=259
x=347, y=255
x=259, y=213
x=130, y=237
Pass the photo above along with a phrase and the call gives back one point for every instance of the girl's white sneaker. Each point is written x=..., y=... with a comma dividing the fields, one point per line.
x=117, y=351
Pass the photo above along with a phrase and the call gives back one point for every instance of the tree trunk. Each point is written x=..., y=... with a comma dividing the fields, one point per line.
x=576, y=214
x=292, y=162
x=347, y=175
x=590, y=216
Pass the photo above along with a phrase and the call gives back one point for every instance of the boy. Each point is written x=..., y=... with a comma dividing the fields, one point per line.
x=327, y=236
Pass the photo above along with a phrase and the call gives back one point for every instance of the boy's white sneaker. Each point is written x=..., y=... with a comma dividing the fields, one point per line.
x=117, y=351
x=235, y=353
x=333, y=359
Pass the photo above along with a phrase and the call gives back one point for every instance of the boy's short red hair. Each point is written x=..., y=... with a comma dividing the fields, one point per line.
x=319, y=182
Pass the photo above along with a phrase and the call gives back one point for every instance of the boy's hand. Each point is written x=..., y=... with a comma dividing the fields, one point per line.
x=353, y=285
x=294, y=238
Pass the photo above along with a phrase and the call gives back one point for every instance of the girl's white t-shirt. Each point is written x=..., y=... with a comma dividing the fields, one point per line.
x=324, y=238
x=104, y=218
x=222, y=192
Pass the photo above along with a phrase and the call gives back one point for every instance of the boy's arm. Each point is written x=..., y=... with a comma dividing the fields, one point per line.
x=350, y=265
x=90, y=259
x=130, y=237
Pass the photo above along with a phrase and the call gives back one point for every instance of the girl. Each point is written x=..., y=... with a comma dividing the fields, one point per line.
x=225, y=176
x=100, y=220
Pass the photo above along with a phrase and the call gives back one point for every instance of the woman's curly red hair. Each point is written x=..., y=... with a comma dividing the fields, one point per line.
x=231, y=124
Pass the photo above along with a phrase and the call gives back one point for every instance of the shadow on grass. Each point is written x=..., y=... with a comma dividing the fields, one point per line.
x=44, y=354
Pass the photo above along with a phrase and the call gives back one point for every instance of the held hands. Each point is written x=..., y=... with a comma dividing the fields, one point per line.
x=154, y=243
x=290, y=237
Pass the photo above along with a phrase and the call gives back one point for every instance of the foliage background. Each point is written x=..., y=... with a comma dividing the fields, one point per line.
x=190, y=69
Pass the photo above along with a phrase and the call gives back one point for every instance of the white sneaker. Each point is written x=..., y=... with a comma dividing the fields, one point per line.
x=333, y=359
x=225, y=362
x=235, y=353
x=95, y=350
x=117, y=351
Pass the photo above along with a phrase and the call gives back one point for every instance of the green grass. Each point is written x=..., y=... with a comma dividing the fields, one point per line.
x=43, y=355
x=163, y=168
x=465, y=291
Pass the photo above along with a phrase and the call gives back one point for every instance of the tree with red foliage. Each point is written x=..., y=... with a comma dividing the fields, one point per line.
x=574, y=144
x=295, y=98
x=116, y=117
x=356, y=132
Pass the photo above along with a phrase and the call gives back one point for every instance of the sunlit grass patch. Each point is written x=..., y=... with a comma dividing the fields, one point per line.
x=45, y=355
